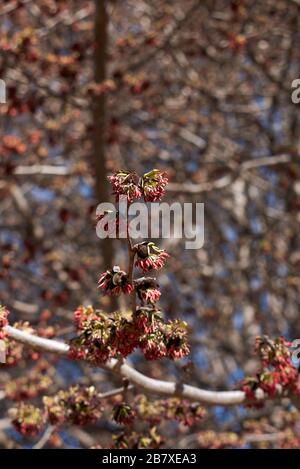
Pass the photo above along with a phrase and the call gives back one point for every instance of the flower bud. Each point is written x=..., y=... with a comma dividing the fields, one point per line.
x=114, y=282
x=149, y=256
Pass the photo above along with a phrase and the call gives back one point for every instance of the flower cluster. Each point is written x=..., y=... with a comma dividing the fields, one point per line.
x=150, y=439
x=125, y=183
x=182, y=411
x=102, y=337
x=211, y=440
x=283, y=421
x=30, y=386
x=3, y=321
x=27, y=419
x=95, y=341
x=76, y=405
x=153, y=345
x=83, y=315
x=176, y=341
x=147, y=319
x=124, y=414
x=149, y=256
x=151, y=185
x=147, y=290
x=277, y=376
x=114, y=282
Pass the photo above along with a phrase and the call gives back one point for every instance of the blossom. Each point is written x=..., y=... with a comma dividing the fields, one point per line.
x=77, y=353
x=137, y=440
x=177, y=348
x=209, y=439
x=149, y=256
x=146, y=319
x=83, y=314
x=125, y=183
x=277, y=375
x=125, y=336
x=77, y=405
x=149, y=410
x=27, y=419
x=153, y=185
x=28, y=386
x=115, y=281
x=95, y=343
x=153, y=346
x=124, y=414
x=176, y=339
x=183, y=411
x=147, y=289
x=102, y=337
x=249, y=385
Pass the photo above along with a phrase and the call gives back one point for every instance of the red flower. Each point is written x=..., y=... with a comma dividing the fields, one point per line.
x=147, y=290
x=183, y=411
x=153, y=346
x=125, y=183
x=176, y=339
x=76, y=353
x=278, y=376
x=30, y=385
x=27, y=419
x=95, y=342
x=153, y=185
x=126, y=337
x=84, y=314
x=149, y=256
x=76, y=405
x=115, y=281
x=146, y=320
x=124, y=414
x=178, y=349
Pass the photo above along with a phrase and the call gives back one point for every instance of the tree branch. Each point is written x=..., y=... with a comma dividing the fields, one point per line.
x=146, y=383
x=227, y=180
x=42, y=169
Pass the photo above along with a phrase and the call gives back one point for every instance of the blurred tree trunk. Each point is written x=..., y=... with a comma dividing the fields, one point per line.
x=102, y=189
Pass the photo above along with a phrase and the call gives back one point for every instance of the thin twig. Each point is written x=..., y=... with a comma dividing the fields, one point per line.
x=131, y=257
x=47, y=434
x=115, y=392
